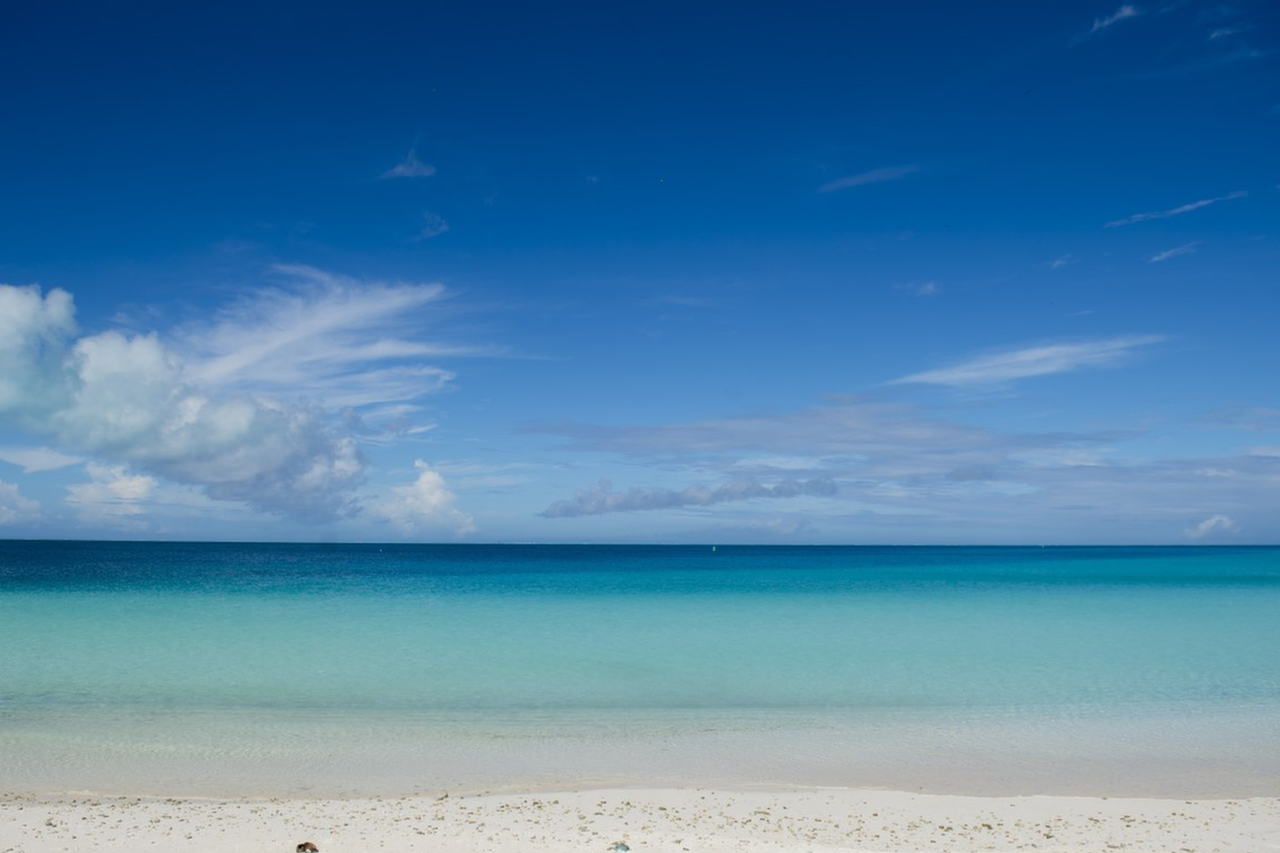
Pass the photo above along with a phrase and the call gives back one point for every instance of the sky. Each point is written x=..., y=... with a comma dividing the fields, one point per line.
x=909, y=272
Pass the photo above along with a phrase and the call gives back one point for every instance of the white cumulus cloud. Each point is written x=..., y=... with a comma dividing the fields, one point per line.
x=244, y=407
x=112, y=491
x=14, y=506
x=34, y=329
x=1212, y=524
x=425, y=505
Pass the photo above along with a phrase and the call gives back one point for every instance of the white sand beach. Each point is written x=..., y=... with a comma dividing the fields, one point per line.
x=692, y=820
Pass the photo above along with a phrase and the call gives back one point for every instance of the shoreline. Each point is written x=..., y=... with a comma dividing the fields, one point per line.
x=1166, y=755
x=1129, y=785
x=643, y=819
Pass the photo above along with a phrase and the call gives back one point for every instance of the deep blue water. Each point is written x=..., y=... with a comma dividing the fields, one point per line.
x=52, y=565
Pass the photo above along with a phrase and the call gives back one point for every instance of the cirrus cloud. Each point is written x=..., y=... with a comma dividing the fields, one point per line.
x=1123, y=13
x=873, y=176
x=1184, y=249
x=1006, y=366
x=410, y=167
x=33, y=459
x=1176, y=211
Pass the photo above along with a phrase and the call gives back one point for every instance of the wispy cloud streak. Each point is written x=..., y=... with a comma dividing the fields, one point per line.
x=1177, y=211
x=922, y=288
x=1224, y=32
x=898, y=468
x=324, y=337
x=32, y=459
x=1002, y=367
x=433, y=225
x=601, y=498
x=1126, y=11
x=875, y=176
x=410, y=167
x=1173, y=253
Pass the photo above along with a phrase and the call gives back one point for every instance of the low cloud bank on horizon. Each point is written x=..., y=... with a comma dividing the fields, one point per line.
x=601, y=498
x=268, y=402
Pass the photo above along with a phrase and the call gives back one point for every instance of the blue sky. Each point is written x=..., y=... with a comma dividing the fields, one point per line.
x=884, y=272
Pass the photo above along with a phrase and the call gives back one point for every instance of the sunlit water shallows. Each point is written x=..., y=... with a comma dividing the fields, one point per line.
x=310, y=669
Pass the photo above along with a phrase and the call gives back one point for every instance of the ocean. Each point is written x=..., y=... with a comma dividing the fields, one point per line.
x=301, y=670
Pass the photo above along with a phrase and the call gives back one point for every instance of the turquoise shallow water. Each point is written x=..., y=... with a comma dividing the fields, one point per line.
x=214, y=667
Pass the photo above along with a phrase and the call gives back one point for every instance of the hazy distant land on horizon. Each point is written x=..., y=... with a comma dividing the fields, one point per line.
x=301, y=670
